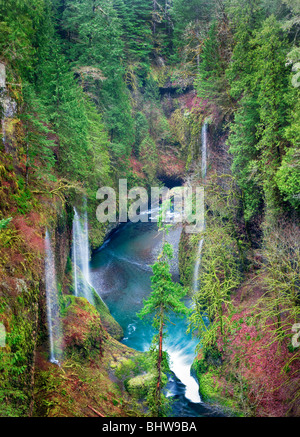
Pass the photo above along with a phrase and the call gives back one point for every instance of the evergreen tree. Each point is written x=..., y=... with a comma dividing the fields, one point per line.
x=191, y=20
x=19, y=23
x=97, y=51
x=242, y=141
x=165, y=297
x=258, y=73
x=38, y=148
x=135, y=17
x=271, y=81
x=209, y=83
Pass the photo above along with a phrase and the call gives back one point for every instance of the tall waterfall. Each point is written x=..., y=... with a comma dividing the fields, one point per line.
x=74, y=262
x=197, y=266
x=80, y=257
x=53, y=319
x=204, y=149
x=203, y=168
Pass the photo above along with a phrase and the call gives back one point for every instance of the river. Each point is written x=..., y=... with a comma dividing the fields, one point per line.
x=120, y=272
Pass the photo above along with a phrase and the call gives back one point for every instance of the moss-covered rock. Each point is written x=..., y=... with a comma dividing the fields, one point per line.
x=109, y=323
x=82, y=327
x=139, y=385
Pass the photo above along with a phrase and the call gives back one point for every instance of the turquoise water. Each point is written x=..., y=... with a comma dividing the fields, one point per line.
x=120, y=273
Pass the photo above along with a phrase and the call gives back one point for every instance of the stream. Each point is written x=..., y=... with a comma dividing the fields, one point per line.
x=120, y=272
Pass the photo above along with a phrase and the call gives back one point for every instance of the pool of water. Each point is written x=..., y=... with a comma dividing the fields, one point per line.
x=120, y=272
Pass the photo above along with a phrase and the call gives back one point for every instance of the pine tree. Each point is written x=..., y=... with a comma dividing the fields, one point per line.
x=38, y=147
x=135, y=19
x=165, y=297
x=19, y=22
x=98, y=59
x=191, y=20
x=258, y=73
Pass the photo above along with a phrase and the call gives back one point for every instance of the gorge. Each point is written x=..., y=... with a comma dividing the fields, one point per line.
x=106, y=311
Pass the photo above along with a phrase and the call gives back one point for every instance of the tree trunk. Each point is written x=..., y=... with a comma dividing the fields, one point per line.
x=159, y=361
x=32, y=379
x=154, y=16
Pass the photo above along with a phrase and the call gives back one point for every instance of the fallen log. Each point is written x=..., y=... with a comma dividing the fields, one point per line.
x=95, y=411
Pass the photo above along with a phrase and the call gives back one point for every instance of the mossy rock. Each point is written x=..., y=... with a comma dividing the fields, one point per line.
x=83, y=330
x=139, y=385
x=108, y=322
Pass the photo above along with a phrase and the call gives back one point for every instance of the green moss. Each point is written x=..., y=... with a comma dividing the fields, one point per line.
x=212, y=391
x=110, y=324
x=139, y=385
x=187, y=253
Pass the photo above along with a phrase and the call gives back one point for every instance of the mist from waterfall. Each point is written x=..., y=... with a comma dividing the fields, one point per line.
x=80, y=256
x=204, y=170
x=52, y=304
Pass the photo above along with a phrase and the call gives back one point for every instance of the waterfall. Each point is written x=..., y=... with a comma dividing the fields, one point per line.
x=204, y=149
x=197, y=266
x=52, y=302
x=80, y=257
x=203, y=168
x=181, y=359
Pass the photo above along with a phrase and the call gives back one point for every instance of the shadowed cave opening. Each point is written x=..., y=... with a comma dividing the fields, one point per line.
x=171, y=181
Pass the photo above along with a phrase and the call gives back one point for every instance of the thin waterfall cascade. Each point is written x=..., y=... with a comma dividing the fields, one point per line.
x=53, y=317
x=80, y=257
x=204, y=170
x=204, y=149
x=74, y=263
x=197, y=266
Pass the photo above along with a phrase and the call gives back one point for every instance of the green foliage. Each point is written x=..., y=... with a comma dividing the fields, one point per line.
x=141, y=130
x=209, y=83
x=278, y=309
x=242, y=141
x=190, y=23
x=149, y=157
x=222, y=262
x=5, y=222
x=258, y=134
x=151, y=90
x=288, y=177
x=165, y=298
x=135, y=18
x=19, y=22
x=16, y=358
x=98, y=59
x=37, y=147
x=218, y=278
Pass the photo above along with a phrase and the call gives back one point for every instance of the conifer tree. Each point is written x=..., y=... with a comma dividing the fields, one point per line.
x=165, y=298
x=38, y=147
x=98, y=59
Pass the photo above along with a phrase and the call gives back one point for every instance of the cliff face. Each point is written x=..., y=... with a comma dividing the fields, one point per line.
x=28, y=382
x=244, y=368
x=27, y=378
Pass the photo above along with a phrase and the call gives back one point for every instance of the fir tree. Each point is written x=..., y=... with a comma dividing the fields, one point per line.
x=165, y=298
